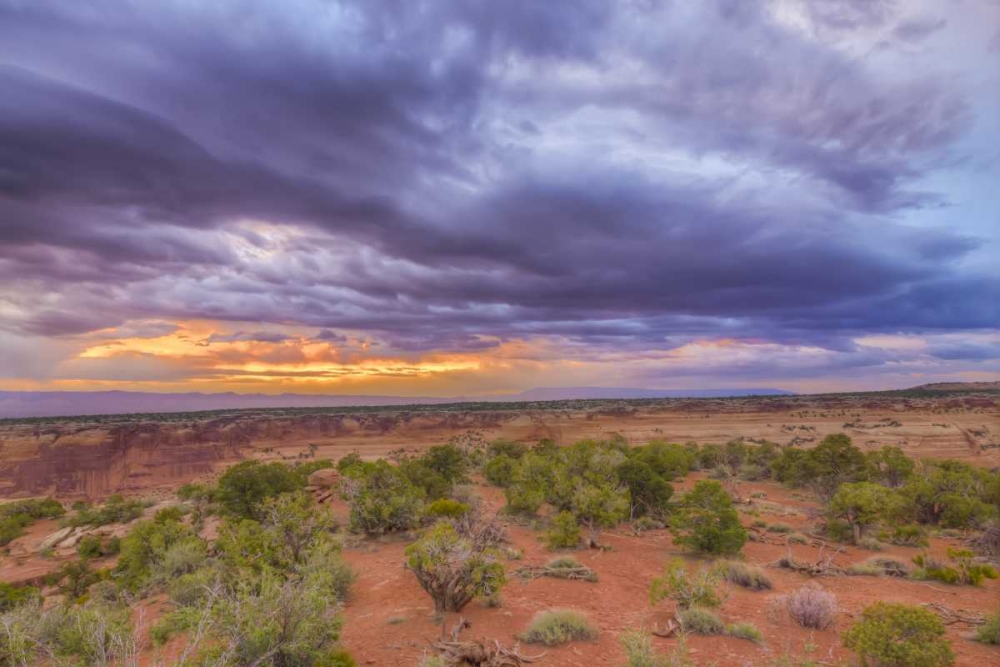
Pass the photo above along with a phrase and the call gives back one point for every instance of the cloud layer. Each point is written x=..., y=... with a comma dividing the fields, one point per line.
x=408, y=182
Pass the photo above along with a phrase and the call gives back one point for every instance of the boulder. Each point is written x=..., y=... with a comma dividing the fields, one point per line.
x=55, y=538
x=324, y=479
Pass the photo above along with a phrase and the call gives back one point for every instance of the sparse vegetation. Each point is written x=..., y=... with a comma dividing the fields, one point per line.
x=739, y=573
x=962, y=570
x=685, y=590
x=989, y=631
x=17, y=515
x=559, y=626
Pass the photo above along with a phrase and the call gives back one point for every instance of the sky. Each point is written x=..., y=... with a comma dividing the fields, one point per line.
x=460, y=198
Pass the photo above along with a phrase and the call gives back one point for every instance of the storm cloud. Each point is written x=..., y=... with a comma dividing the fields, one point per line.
x=452, y=176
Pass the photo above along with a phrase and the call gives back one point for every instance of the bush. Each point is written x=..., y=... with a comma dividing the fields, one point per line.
x=644, y=523
x=14, y=596
x=508, y=448
x=870, y=544
x=383, y=500
x=812, y=607
x=898, y=635
x=989, y=632
x=686, y=591
x=700, y=621
x=909, y=535
x=499, y=470
x=746, y=631
x=649, y=491
x=741, y=574
x=114, y=510
x=782, y=528
x=335, y=658
x=143, y=551
x=890, y=566
x=861, y=505
x=962, y=571
x=564, y=532
x=558, y=626
x=89, y=546
x=244, y=486
x=445, y=508
x=452, y=571
x=18, y=515
x=707, y=521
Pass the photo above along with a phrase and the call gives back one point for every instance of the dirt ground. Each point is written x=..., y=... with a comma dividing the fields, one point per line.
x=389, y=617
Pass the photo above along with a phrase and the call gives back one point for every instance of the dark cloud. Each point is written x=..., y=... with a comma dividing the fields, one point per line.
x=248, y=336
x=450, y=175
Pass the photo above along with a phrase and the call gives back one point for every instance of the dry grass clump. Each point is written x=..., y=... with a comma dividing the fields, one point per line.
x=877, y=566
x=701, y=622
x=812, y=607
x=558, y=626
x=746, y=631
x=743, y=575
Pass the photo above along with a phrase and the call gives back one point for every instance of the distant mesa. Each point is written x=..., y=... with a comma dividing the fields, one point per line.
x=20, y=404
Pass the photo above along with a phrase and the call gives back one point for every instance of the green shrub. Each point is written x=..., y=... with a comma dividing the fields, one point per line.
x=648, y=490
x=18, y=515
x=383, y=500
x=963, y=569
x=115, y=509
x=170, y=625
x=898, y=635
x=89, y=546
x=909, y=535
x=746, y=631
x=989, y=632
x=700, y=621
x=797, y=538
x=143, y=551
x=782, y=528
x=453, y=570
x=14, y=596
x=686, y=591
x=499, y=470
x=644, y=523
x=707, y=522
x=558, y=626
x=563, y=533
x=870, y=544
x=244, y=486
x=741, y=574
x=445, y=508
x=884, y=565
x=508, y=448
x=335, y=658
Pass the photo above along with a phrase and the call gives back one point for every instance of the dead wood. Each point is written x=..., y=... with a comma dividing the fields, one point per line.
x=483, y=653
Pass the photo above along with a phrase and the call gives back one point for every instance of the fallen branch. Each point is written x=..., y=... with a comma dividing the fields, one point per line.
x=578, y=573
x=952, y=616
x=483, y=653
x=822, y=567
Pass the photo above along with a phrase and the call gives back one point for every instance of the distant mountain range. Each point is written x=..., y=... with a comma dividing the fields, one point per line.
x=69, y=403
